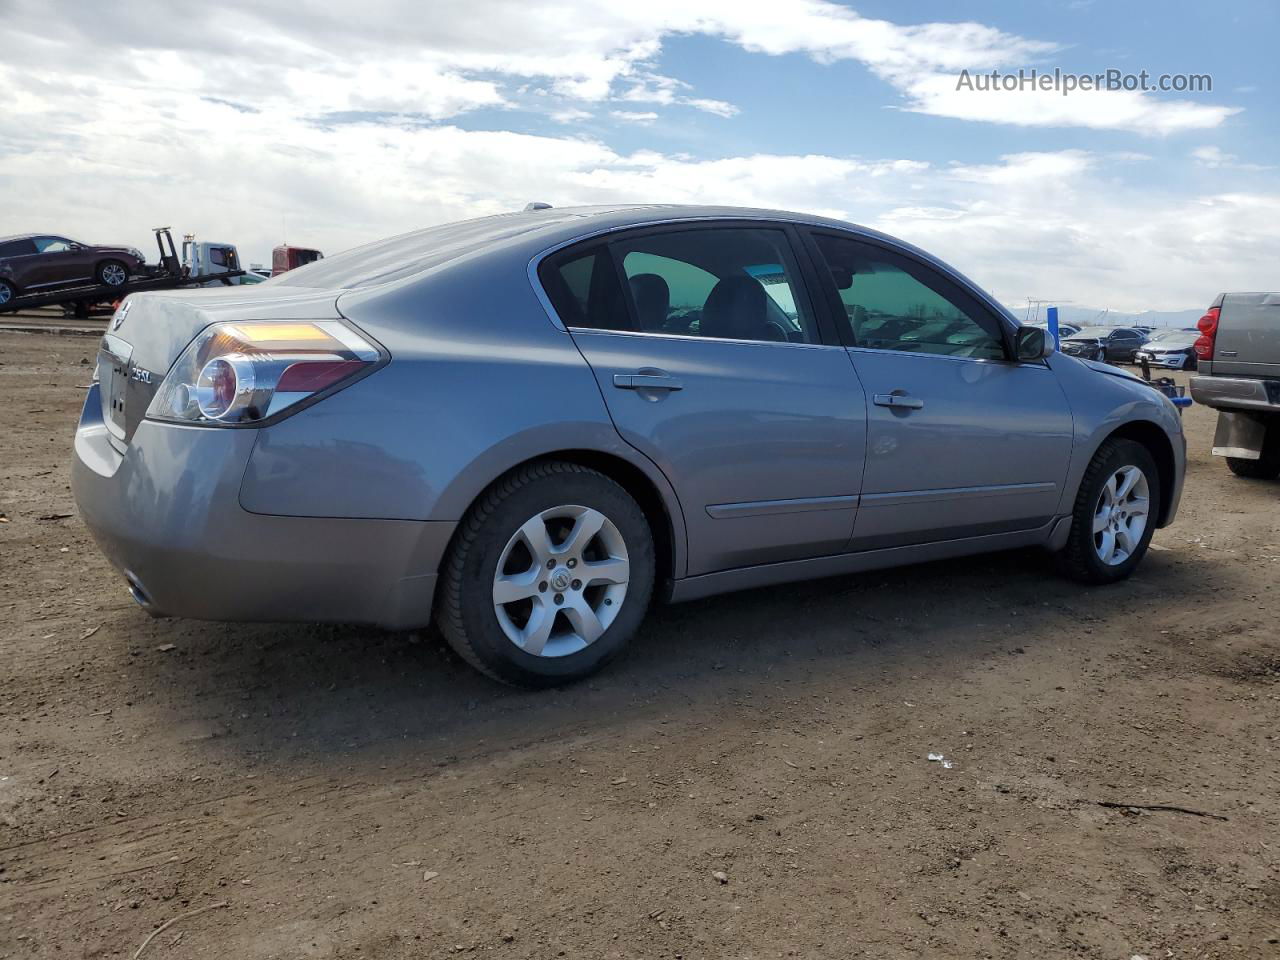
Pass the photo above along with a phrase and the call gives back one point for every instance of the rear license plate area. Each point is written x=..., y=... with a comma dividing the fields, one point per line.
x=113, y=379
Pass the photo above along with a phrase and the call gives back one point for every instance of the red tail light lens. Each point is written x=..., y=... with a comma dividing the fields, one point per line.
x=1208, y=327
x=237, y=374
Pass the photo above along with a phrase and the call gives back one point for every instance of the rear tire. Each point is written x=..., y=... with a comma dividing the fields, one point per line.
x=1266, y=467
x=1105, y=544
x=7, y=292
x=1263, y=469
x=574, y=553
x=112, y=273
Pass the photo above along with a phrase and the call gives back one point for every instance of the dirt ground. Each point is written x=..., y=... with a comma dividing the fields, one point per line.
x=752, y=780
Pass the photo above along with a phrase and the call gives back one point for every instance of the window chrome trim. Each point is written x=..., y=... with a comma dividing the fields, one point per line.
x=590, y=331
x=1001, y=361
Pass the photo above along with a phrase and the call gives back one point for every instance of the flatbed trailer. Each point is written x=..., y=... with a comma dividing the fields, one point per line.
x=89, y=294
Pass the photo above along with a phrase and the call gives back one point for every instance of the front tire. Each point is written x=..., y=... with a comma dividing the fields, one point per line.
x=549, y=575
x=113, y=273
x=1114, y=515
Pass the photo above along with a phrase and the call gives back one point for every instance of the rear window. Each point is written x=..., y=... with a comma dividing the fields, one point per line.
x=412, y=253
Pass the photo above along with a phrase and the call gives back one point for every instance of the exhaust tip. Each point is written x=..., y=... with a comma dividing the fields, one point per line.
x=140, y=596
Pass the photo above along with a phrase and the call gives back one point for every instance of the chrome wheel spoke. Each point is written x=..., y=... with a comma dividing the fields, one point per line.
x=536, y=538
x=534, y=636
x=1101, y=520
x=612, y=570
x=1138, y=507
x=585, y=621
x=1107, y=548
x=1128, y=478
x=584, y=531
x=1124, y=541
x=511, y=588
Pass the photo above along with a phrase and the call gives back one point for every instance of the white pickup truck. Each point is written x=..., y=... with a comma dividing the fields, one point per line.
x=1238, y=358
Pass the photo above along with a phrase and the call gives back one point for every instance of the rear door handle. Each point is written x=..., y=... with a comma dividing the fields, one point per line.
x=645, y=381
x=899, y=400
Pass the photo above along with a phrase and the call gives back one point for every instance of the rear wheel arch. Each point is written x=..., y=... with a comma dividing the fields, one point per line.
x=661, y=510
x=1156, y=441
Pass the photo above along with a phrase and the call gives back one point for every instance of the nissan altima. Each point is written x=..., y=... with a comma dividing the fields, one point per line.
x=526, y=427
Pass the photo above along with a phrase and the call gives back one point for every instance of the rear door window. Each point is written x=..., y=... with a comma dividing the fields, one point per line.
x=736, y=283
x=17, y=248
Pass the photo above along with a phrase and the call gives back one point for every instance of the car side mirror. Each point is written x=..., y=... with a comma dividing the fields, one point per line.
x=1032, y=343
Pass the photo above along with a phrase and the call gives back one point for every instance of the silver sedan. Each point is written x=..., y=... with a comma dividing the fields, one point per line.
x=526, y=427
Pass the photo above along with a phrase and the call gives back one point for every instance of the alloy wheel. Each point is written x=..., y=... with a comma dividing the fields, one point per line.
x=560, y=581
x=114, y=275
x=5, y=293
x=1120, y=517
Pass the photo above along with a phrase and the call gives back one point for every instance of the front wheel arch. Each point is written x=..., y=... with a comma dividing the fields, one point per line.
x=1158, y=444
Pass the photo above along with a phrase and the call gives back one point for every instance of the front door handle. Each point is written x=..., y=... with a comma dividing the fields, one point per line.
x=899, y=400
x=645, y=381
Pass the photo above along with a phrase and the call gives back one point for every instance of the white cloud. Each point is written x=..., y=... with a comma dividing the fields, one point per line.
x=668, y=91
x=633, y=116
x=1216, y=159
x=570, y=115
x=720, y=108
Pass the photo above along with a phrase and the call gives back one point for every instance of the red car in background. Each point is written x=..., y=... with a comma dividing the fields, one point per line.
x=35, y=263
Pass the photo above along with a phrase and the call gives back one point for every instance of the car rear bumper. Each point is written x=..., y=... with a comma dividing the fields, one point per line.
x=1237, y=393
x=167, y=515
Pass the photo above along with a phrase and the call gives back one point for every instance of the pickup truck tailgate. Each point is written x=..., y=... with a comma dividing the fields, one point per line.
x=1248, y=339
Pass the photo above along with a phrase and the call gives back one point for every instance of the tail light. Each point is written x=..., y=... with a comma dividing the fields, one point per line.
x=238, y=374
x=1208, y=327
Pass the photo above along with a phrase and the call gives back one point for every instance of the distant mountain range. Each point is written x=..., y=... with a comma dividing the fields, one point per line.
x=1088, y=316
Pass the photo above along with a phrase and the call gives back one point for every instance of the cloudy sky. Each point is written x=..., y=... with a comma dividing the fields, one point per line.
x=333, y=124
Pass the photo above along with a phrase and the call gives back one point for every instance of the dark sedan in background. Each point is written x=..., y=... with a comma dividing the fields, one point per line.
x=1118, y=344
x=35, y=263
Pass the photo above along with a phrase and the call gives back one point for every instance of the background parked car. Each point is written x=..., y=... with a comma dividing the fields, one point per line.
x=34, y=262
x=1174, y=349
x=1112, y=344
